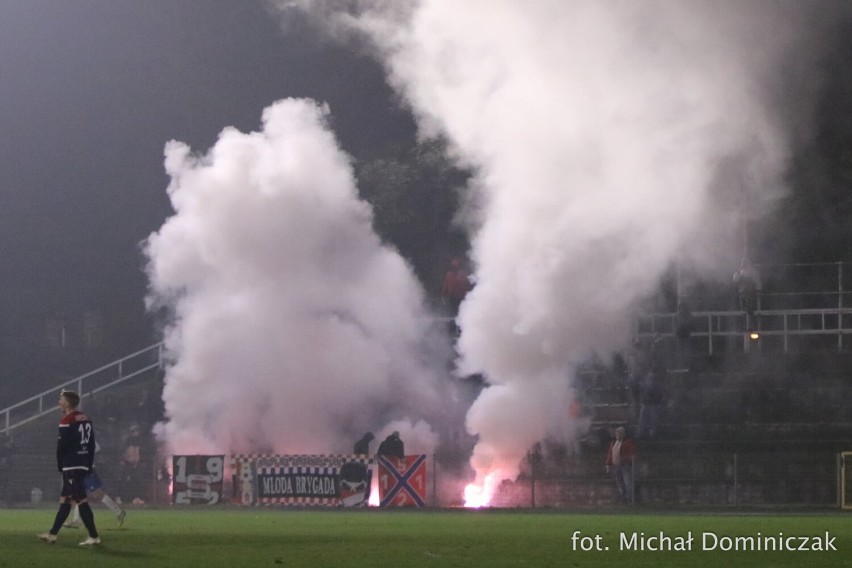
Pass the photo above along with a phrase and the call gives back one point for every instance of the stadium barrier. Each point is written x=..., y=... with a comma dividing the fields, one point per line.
x=666, y=479
x=303, y=480
x=672, y=478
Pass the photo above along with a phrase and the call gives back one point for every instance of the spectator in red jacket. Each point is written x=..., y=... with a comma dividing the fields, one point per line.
x=619, y=463
x=456, y=286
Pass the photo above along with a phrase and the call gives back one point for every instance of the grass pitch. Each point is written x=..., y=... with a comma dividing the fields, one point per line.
x=232, y=536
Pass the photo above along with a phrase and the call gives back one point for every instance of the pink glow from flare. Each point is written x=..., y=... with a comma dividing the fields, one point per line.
x=476, y=496
x=374, y=490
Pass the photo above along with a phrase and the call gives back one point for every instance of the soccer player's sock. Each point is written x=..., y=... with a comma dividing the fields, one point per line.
x=111, y=505
x=76, y=514
x=88, y=519
x=61, y=516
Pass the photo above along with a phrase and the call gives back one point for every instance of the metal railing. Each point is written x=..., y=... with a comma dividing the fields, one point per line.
x=715, y=327
x=87, y=384
x=795, y=300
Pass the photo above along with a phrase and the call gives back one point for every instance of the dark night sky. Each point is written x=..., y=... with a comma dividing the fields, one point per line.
x=90, y=92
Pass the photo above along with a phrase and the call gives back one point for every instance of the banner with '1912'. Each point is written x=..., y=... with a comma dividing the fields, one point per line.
x=197, y=479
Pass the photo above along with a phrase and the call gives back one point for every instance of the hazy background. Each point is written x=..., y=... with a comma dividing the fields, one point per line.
x=588, y=147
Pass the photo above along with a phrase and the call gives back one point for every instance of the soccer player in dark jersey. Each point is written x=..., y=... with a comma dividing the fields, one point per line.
x=75, y=454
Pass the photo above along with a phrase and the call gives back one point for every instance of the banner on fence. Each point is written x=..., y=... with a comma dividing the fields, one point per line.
x=197, y=479
x=402, y=481
x=333, y=480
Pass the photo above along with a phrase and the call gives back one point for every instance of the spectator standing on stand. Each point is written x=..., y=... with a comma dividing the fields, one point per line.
x=748, y=283
x=652, y=393
x=392, y=446
x=456, y=286
x=131, y=472
x=619, y=464
x=362, y=446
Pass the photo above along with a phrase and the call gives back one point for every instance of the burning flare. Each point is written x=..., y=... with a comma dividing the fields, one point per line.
x=476, y=496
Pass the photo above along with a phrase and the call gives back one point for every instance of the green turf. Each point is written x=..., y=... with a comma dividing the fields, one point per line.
x=224, y=536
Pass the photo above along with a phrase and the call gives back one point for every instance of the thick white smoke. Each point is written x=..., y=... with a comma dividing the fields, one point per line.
x=295, y=329
x=609, y=138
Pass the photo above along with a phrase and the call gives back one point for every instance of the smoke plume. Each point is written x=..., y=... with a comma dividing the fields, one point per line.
x=609, y=139
x=294, y=329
